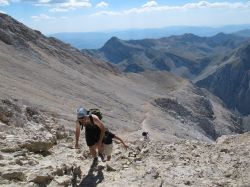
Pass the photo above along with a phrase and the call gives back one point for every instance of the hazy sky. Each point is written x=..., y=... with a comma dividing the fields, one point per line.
x=50, y=16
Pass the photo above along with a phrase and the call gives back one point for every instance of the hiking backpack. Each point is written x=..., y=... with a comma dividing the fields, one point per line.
x=96, y=112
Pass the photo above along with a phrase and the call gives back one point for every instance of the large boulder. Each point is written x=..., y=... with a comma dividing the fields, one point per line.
x=40, y=143
x=41, y=177
x=14, y=173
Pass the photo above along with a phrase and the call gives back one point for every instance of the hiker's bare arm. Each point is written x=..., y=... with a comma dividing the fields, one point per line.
x=77, y=134
x=126, y=146
x=102, y=128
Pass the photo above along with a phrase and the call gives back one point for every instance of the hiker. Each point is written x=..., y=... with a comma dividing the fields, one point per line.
x=145, y=135
x=108, y=143
x=94, y=131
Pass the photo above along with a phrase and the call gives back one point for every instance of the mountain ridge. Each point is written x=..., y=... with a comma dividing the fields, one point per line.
x=95, y=40
x=194, y=52
x=231, y=81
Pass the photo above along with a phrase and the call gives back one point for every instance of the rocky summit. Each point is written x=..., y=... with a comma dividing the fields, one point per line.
x=194, y=139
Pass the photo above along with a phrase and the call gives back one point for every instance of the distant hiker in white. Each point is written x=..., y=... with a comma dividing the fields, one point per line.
x=108, y=143
x=94, y=131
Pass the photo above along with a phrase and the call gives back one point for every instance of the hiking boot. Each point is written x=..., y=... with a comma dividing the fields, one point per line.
x=102, y=157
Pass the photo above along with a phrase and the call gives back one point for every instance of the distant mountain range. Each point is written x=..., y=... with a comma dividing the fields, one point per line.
x=95, y=40
x=243, y=33
x=185, y=55
x=219, y=63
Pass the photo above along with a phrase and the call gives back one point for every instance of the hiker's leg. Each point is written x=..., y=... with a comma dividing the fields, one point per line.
x=100, y=153
x=92, y=150
x=108, y=148
x=100, y=149
x=108, y=157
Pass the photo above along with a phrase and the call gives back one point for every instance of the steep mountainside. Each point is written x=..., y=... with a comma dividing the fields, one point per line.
x=185, y=55
x=231, y=82
x=58, y=78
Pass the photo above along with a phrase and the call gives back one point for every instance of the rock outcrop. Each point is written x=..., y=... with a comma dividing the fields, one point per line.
x=195, y=107
x=24, y=127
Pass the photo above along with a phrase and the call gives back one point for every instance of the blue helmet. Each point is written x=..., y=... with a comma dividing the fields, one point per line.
x=81, y=112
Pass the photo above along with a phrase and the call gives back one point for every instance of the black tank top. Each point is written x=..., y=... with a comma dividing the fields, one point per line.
x=91, y=127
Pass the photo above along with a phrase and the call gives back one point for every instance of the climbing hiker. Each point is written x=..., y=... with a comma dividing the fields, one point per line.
x=94, y=131
x=108, y=143
x=145, y=135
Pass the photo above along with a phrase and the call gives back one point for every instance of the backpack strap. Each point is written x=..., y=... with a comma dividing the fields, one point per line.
x=91, y=119
x=81, y=125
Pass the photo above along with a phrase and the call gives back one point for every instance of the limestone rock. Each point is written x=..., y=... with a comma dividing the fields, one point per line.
x=63, y=180
x=40, y=177
x=40, y=143
x=14, y=173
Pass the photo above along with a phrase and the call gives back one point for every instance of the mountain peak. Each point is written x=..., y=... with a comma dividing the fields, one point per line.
x=222, y=37
x=15, y=33
x=188, y=37
x=113, y=40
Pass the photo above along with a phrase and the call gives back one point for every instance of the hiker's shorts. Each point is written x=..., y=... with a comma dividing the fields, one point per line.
x=107, y=149
x=92, y=137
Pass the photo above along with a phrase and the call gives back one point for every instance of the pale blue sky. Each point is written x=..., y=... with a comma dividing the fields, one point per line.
x=50, y=16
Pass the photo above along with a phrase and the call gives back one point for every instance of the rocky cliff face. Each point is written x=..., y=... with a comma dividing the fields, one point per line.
x=194, y=106
x=231, y=81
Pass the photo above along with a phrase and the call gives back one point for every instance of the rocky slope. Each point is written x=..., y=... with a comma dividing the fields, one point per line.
x=231, y=81
x=37, y=151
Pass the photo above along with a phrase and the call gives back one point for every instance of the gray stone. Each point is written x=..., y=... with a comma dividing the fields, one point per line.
x=40, y=177
x=63, y=180
x=14, y=174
